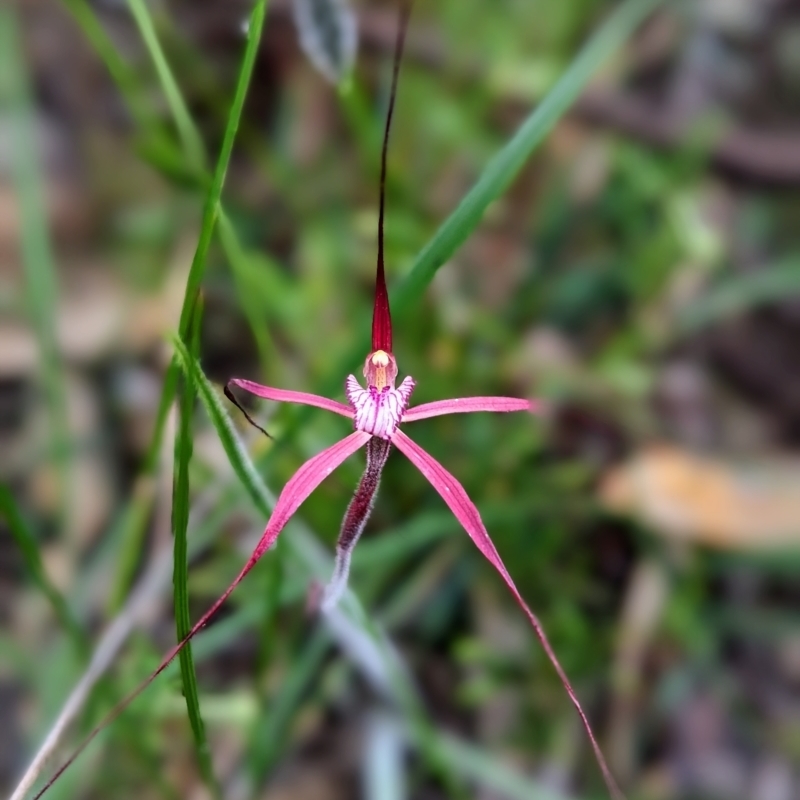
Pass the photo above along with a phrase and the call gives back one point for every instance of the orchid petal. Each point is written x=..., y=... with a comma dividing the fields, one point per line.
x=294, y=493
x=466, y=513
x=298, y=488
x=468, y=405
x=303, y=482
x=287, y=396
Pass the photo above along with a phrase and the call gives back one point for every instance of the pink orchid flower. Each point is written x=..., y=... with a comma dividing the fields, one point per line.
x=377, y=410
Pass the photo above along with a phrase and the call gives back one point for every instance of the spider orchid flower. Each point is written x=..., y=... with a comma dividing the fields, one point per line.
x=378, y=410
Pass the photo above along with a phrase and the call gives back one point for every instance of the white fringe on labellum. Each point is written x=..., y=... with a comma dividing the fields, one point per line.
x=328, y=33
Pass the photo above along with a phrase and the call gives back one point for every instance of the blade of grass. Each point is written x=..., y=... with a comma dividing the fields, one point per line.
x=29, y=547
x=210, y=212
x=242, y=277
x=740, y=293
x=476, y=765
x=505, y=165
x=121, y=72
x=181, y=502
x=37, y=257
x=187, y=131
x=271, y=729
x=195, y=155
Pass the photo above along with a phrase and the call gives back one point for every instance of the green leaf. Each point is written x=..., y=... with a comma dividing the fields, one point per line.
x=190, y=316
x=505, y=165
x=41, y=285
x=237, y=456
x=181, y=504
x=476, y=765
x=741, y=293
x=190, y=137
x=29, y=547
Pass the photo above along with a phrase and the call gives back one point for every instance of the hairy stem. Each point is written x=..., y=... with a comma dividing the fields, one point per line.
x=355, y=519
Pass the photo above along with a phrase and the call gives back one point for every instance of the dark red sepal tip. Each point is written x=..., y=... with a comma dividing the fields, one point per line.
x=381, y=316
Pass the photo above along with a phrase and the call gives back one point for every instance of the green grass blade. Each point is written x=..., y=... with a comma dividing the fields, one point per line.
x=477, y=766
x=740, y=293
x=187, y=131
x=505, y=165
x=271, y=729
x=243, y=280
x=212, y=204
x=181, y=504
x=121, y=72
x=194, y=154
x=237, y=456
x=41, y=287
x=192, y=143
x=29, y=548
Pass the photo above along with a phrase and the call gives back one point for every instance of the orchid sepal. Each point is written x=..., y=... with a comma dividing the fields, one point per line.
x=465, y=511
x=469, y=405
x=292, y=496
x=288, y=396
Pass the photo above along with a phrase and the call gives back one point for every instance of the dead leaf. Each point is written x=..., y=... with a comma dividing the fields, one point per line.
x=709, y=500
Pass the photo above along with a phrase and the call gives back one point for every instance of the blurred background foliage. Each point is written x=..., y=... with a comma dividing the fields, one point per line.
x=641, y=276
